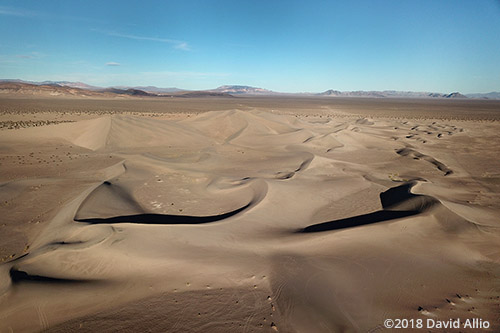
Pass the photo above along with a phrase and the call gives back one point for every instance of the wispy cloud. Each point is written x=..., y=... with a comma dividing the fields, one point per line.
x=177, y=44
x=19, y=58
x=112, y=63
x=30, y=14
x=31, y=55
x=9, y=11
x=182, y=46
x=25, y=56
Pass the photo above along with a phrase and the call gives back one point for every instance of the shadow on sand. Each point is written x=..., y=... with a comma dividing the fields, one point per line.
x=162, y=218
x=18, y=276
x=397, y=202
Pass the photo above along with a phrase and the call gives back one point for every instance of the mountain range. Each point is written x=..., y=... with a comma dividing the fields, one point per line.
x=83, y=89
x=78, y=89
x=244, y=90
x=390, y=94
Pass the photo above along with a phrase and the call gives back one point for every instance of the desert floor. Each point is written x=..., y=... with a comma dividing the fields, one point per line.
x=247, y=214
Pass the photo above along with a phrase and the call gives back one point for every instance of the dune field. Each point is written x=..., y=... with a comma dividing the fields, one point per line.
x=248, y=215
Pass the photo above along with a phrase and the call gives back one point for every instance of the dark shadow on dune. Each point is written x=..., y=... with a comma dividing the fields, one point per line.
x=17, y=258
x=401, y=198
x=397, y=202
x=396, y=195
x=284, y=175
x=163, y=218
x=18, y=276
x=305, y=164
x=355, y=221
x=65, y=243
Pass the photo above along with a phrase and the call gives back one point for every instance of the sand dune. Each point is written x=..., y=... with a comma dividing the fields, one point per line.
x=248, y=221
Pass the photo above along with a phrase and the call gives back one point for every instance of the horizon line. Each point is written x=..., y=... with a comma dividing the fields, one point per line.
x=245, y=85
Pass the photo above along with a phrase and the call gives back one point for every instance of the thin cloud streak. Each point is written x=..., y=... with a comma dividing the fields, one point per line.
x=178, y=44
x=182, y=46
x=20, y=58
x=25, y=56
x=112, y=63
x=16, y=12
x=9, y=11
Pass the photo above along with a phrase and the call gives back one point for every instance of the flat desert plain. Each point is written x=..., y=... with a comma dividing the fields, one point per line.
x=244, y=214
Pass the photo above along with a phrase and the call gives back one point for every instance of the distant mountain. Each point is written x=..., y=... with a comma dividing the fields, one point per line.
x=153, y=89
x=336, y=93
x=14, y=81
x=246, y=90
x=436, y=95
x=203, y=93
x=57, y=89
x=130, y=92
x=406, y=94
x=455, y=95
x=83, y=89
x=330, y=92
x=388, y=93
x=51, y=89
x=451, y=95
x=80, y=85
x=157, y=90
x=490, y=95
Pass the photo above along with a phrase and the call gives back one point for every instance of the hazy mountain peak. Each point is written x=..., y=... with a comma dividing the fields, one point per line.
x=490, y=95
x=389, y=94
x=240, y=89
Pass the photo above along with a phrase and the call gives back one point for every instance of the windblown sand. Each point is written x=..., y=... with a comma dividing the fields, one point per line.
x=248, y=221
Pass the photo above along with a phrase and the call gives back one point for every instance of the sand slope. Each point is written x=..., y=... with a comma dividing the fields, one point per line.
x=248, y=222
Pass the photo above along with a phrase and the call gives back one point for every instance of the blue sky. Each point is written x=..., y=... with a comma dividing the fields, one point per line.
x=290, y=46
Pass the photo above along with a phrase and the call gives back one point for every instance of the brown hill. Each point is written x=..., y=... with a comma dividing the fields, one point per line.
x=44, y=90
x=21, y=88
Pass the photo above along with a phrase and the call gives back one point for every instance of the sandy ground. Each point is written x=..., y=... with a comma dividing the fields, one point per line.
x=248, y=215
